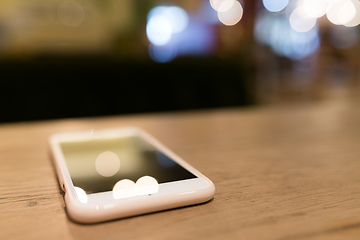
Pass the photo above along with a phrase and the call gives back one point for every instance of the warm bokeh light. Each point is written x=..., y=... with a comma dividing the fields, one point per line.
x=81, y=194
x=146, y=185
x=231, y=16
x=338, y=12
x=124, y=189
x=347, y=12
x=275, y=5
x=341, y=12
x=355, y=21
x=300, y=22
x=71, y=13
x=315, y=8
x=107, y=164
x=221, y=5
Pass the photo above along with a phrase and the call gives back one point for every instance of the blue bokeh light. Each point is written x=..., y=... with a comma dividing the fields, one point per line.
x=162, y=54
x=275, y=31
x=177, y=18
x=158, y=30
x=275, y=5
x=188, y=35
x=165, y=21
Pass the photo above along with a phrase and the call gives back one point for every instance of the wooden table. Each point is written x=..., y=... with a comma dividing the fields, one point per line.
x=290, y=172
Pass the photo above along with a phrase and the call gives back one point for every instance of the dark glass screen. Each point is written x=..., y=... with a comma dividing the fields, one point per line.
x=97, y=165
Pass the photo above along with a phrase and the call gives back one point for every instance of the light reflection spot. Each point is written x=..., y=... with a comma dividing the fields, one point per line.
x=158, y=30
x=71, y=13
x=346, y=12
x=177, y=18
x=146, y=185
x=81, y=194
x=275, y=5
x=221, y=5
x=232, y=16
x=356, y=20
x=107, y=164
x=300, y=22
x=315, y=8
x=333, y=13
x=123, y=189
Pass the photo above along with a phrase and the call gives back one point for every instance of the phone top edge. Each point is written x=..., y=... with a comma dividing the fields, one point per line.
x=94, y=134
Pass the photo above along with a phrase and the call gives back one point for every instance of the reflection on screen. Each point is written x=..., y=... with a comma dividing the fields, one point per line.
x=121, y=165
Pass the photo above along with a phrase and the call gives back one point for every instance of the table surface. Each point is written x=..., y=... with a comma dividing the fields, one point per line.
x=289, y=172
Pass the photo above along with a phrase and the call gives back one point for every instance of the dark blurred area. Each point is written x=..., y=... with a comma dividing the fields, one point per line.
x=43, y=90
x=77, y=58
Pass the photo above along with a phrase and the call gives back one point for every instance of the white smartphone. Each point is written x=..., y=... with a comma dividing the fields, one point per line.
x=117, y=173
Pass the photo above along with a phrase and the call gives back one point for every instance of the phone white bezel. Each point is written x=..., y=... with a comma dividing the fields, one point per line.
x=102, y=206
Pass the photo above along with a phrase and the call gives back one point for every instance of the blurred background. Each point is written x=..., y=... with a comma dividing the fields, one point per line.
x=77, y=58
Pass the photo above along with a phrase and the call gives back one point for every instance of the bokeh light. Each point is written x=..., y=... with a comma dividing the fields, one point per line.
x=304, y=44
x=124, y=189
x=356, y=19
x=71, y=13
x=162, y=54
x=347, y=12
x=315, y=8
x=231, y=16
x=300, y=22
x=158, y=30
x=275, y=5
x=177, y=18
x=146, y=185
x=275, y=31
x=159, y=10
x=303, y=40
x=179, y=37
x=341, y=12
x=165, y=21
x=221, y=5
x=338, y=12
x=107, y=164
x=81, y=194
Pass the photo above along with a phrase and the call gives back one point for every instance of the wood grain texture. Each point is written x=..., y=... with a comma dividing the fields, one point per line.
x=280, y=173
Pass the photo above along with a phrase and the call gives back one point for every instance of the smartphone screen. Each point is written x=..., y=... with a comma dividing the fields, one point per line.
x=97, y=165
